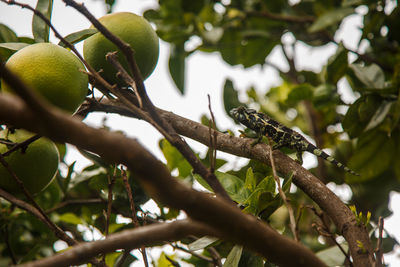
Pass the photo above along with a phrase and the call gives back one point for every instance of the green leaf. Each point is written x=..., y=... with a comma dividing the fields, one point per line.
x=337, y=65
x=325, y=94
x=7, y=49
x=67, y=179
x=127, y=260
x=7, y=35
x=78, y=36
x=13, y=46
x=94, y=158
x=176, y=66
x=249, y=259
x=201, y=243
x=371, y=76
x=86, y=174
x=231, y=98
x=40, y=29
x=333, y=256
x=299, y=93
x=174, y=158
x=233, y=185
x=233, y=257
x=248, y=47
x=71, y=218
x=373, y=156
x=251, y=181
x=361, y=112
x=380, y=115
x=330, y=18
x=261, y=196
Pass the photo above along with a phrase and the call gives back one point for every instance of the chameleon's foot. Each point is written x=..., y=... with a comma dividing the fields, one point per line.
x=255, y=142
x=299, y=161
x=299, y=156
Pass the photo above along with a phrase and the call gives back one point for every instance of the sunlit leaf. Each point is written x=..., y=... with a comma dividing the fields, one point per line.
x=202, y=243
x=233, y=185
x=71, y=218
x=233, y=257
x=333, y=256
x=174, y=158
x=251, y=181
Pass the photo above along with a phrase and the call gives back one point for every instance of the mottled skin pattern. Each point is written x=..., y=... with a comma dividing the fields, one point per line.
x=281, y=135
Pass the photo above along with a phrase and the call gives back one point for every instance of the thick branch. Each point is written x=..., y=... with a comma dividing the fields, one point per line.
x=129, y=239
x=311, y=185
x=156, y=180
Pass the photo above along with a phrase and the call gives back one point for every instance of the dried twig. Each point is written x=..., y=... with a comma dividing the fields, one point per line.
x=21, y=145
x=283, y=195
x=133, y=213
x=200, y=256
x=379, y=249
x=323, y=229
x=213, y=137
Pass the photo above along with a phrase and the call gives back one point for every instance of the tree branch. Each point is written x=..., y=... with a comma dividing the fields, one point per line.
x=136, y=80
x=129, y=239
x=232, y=224
x=340, y=214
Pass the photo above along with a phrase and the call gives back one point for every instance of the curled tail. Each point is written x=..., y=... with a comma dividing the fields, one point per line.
x=319, y=153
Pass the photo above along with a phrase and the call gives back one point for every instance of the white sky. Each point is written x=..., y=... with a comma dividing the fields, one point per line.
x=205, y=74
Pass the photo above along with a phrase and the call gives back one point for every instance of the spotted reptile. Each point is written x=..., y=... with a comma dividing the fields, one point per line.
x=281, y=135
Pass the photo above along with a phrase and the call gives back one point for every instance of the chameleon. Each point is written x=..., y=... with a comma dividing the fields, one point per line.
x=281, y=135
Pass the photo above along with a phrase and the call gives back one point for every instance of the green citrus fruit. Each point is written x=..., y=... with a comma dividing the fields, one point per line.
x=134, y=30
x=53, y=72
x=36, y=166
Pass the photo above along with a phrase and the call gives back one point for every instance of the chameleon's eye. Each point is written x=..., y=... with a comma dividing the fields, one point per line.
x=297, y=137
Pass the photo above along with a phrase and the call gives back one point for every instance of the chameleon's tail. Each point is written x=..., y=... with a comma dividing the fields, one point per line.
x=318, y=152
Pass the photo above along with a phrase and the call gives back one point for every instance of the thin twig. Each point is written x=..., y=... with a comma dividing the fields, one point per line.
x=197, y=255
x=173, y=262
x=213, y=137
x=75, y=202
x=111, y=182
x=286, y=18
x=22, y=145
x=283, y=195
x=133, y=212
x=324, y=231
x=107, y=214
x=379, y=249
